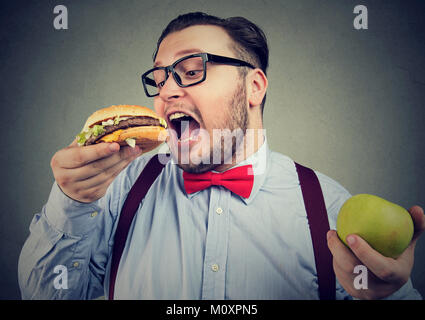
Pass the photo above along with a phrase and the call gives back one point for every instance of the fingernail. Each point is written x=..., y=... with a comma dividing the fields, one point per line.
x=351, y=240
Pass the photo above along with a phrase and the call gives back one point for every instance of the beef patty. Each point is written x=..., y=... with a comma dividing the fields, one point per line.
x=124, y=124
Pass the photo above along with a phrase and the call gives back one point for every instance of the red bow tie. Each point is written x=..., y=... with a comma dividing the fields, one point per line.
x=238, y=180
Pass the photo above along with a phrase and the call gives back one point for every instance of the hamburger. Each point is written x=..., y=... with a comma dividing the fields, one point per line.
x=125, y=124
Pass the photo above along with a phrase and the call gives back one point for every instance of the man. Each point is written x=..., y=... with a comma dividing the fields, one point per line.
x=209, y=82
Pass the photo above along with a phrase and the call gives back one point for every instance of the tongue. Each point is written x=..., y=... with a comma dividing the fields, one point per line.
x=189, y=129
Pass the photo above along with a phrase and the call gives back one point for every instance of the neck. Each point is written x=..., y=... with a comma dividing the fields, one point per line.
x=252, y=141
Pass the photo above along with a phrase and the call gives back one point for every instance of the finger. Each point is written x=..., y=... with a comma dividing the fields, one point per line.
x=418, y=217
x=383, y=267
x=92, y=194
x=74, y=143
x=98, y=167
x=107, y=175
x=342, y=256
x=342, y=275
x=80, y=156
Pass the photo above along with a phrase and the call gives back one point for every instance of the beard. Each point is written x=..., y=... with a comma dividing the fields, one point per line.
x=226, y=140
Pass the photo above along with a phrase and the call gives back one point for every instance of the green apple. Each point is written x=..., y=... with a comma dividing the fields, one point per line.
x=387, y=227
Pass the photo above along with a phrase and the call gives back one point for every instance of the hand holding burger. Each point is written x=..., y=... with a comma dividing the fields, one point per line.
x=111, y=138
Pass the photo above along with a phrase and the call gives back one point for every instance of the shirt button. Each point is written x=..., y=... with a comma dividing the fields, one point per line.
x=214, y=267
x=75, y=264
x=93, y=214
x=219, y=210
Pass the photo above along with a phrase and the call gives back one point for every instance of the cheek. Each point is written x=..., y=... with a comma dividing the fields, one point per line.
x=214, y=114
x=159, y=107
x=214, y=108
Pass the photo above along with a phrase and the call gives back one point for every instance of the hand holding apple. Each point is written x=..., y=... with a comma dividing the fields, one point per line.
x=386, y=274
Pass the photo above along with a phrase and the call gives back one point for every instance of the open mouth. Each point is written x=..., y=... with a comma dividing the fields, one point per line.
x=185, y=127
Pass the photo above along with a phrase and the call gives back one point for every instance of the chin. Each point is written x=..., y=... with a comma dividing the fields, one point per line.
x=194, y=164
x=200, y=156
x=196, y=168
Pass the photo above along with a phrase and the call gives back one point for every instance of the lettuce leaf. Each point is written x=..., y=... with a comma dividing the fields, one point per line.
x=131, y=142
x=97, y=129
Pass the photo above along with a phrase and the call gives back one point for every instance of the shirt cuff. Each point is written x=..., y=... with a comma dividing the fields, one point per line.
x=406, y=292
x=70, y=216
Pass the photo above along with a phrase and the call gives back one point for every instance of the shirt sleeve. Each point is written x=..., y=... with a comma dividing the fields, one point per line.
x=406, y=292
x=68, y=249
x=56, y=260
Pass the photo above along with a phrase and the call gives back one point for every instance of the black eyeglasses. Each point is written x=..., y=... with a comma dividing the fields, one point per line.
x=186, y=71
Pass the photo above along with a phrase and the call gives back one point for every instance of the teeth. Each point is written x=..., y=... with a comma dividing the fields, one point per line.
x=189, y=139
x=177, y=115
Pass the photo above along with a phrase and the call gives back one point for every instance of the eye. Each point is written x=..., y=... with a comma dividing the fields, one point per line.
x=193, y=73
x=160, y=85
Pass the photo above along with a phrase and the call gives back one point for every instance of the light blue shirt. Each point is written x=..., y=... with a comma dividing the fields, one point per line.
x=212, y=244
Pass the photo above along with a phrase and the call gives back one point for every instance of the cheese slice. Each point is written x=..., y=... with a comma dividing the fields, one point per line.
x=112, y=136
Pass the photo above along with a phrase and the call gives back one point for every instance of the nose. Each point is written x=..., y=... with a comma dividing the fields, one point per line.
x=170, y=90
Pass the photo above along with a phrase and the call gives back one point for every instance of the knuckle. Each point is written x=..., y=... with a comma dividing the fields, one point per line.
x=97, y=192
x=62, y=180
x=360, y=251
x=92, y=194
x=331, y=243
x=54, y=161
x=78, y=191
x=86, y=197
x=78, y=157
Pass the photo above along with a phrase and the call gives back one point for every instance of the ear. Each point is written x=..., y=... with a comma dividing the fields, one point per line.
x=256, y=87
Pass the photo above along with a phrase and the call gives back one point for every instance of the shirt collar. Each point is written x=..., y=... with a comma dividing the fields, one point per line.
x=259, y=161
x=260, y=164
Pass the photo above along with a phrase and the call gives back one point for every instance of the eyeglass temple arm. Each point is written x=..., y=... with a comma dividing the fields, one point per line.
x=228, y=60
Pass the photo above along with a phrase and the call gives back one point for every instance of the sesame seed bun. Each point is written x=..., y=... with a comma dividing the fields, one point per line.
x=122, y=110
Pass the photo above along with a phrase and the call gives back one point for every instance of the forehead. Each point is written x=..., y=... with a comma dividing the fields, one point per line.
x=203, y=38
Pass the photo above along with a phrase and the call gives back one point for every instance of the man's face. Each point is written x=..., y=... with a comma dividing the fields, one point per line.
x=214, y=105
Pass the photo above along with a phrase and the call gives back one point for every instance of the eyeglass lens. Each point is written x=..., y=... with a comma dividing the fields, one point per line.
x=187, y=72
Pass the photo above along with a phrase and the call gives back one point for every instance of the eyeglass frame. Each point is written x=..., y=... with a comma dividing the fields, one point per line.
x=206, y=57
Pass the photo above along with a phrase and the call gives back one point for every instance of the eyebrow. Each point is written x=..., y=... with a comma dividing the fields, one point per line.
x=181, y=53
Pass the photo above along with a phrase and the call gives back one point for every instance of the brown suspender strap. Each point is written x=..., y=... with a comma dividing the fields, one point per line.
x=319, y=226
x=313, y=201
x=139, y=190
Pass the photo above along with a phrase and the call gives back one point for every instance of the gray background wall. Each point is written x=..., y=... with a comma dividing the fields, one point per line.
x=348, y=103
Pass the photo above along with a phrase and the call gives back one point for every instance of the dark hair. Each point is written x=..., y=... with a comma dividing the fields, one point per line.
x=250, y=42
